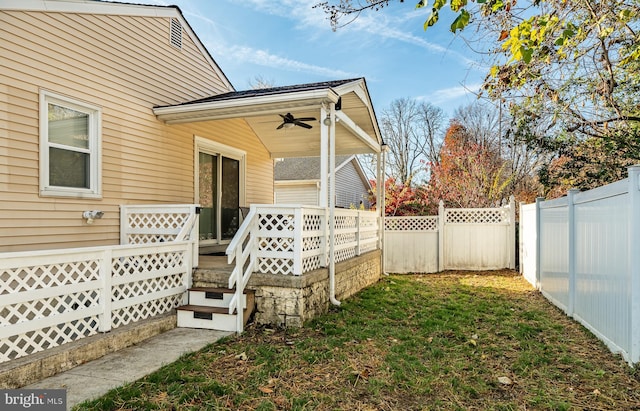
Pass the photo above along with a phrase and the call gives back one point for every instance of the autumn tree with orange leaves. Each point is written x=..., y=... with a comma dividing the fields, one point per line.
x=468, y=173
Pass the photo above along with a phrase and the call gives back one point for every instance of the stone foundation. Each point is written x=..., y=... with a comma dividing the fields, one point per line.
x=291, y=300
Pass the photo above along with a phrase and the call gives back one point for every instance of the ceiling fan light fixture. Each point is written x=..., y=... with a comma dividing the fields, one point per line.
x=288, y=125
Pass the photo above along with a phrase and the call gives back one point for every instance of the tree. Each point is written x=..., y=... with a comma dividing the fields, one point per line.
x=468, y=174
x=402, y=200
x=568, y=69
x=411, y=130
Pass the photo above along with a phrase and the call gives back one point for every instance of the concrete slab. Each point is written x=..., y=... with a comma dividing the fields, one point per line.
x=96, y=378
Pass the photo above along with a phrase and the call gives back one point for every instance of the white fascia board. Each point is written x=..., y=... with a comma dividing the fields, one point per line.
x=88, y=6
x=244, y=107
x=344, y=163
x=350, y=125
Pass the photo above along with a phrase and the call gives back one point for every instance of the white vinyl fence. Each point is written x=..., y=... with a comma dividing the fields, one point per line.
x=456, y=239
x=587, y=261
x=49, y=298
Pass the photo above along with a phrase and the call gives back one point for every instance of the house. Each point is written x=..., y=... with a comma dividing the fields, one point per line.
x=124, y=149
x=297, y=180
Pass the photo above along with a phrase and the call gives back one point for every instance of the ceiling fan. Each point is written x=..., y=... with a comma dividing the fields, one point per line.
x=289, y=121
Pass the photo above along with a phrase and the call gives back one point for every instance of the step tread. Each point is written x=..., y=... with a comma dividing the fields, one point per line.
x=203, y=309
x=219, y=290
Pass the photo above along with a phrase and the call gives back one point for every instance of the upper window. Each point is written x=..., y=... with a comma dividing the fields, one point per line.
x=69, y=147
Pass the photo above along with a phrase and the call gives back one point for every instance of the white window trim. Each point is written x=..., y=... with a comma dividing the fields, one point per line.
x=215, y=148
x=95, y=150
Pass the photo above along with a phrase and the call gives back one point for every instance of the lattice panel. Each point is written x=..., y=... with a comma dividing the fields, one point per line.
x=276, y=222
x=346, y=238
x=411, y=223
x=32, y=342
x=310, y=263
x=157, y=220
x=275, y=244
x=477, y=216
x=348, y=221
x=27, y=279
x=312, y=222
x=345, y=254
x=147, y=262
x=275, y=265
x=150, y=238
x=134, y=266
x=311, y=243
x=145, y=310
x=21, y=279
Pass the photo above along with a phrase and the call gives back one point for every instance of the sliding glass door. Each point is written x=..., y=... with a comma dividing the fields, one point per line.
x=219, y=196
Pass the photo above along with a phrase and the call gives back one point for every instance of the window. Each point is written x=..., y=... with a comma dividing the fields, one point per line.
x=69, y=147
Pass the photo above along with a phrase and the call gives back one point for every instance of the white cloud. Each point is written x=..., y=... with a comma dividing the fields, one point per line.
x=451, y=94
x=266, y=59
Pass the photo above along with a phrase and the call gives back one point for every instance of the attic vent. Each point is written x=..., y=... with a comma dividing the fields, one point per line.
x=176, y=33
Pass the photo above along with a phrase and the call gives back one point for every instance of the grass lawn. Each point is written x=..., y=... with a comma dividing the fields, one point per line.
x=452, y=341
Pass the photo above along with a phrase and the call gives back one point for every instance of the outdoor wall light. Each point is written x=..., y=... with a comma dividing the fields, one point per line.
x=327, y=121
x=91, y=215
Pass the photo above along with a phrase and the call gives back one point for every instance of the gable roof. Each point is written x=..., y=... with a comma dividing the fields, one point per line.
x=302, y=168
x=262, y=110
x=271, y=91
x=116, y=8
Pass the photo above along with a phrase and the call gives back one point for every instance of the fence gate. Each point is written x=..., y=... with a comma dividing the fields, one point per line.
x=456, y=239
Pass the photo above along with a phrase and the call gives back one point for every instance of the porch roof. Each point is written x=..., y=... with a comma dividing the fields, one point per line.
x=357, y=129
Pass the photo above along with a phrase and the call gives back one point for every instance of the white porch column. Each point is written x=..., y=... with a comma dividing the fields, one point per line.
x=324, y=163
x=332, y=205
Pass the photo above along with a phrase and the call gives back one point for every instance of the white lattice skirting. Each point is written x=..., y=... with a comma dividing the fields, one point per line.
x=54, y=297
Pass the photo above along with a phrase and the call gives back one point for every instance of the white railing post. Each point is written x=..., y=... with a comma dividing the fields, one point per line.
x=105, y=292
x=358, y=232
x=634, y=264
x=572, y=250
x=324, y=238
x=194, y=237
x=538, y=228
x=298, y=225
x=124, y=218
x=512, y=232
x=441, y=213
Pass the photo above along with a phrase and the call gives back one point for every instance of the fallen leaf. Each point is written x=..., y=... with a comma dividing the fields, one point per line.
x=265, y=390
x=505, y=380
x=430, y=339
x=596, y=392
x=473, y=342
x=474, y=337
x=242, y=356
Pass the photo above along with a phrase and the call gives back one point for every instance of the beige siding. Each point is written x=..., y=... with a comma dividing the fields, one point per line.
x=297, y=194
x=126, y=66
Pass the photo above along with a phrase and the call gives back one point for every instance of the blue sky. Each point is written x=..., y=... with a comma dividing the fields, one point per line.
x=288, y=42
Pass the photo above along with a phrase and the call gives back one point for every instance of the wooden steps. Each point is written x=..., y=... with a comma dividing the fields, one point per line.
x=209, y=308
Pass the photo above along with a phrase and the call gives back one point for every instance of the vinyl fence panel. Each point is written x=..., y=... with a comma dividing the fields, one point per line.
x=554, y=246
x=589, y=261
x=602, y=262
x=528, y=243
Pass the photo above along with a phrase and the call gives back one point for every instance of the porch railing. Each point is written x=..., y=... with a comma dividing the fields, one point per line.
x=292, y=240
x=49, y=298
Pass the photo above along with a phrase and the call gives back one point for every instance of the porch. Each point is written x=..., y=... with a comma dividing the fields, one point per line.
x=56, y=299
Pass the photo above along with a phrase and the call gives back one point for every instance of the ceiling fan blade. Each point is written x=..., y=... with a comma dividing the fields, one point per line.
x=306, y=119
x=303, y=125
x=280, y=126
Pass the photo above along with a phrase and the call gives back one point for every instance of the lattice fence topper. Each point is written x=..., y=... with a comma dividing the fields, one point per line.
x=155, y=226
x=477, y=216
x=417, y=223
